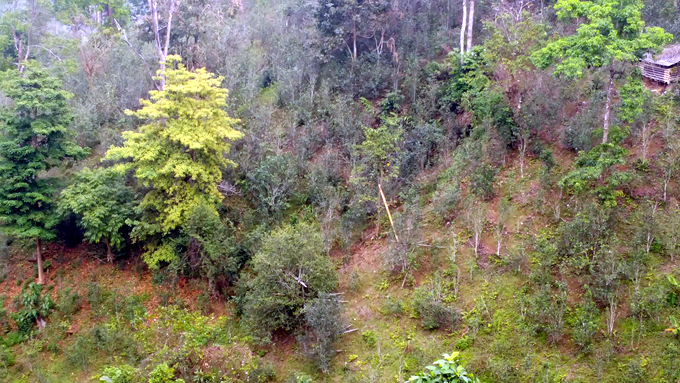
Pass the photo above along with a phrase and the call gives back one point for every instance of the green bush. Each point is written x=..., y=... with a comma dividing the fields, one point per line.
x=94, y=295
x=68, y=302
x=584, y=323
x=394, y=307
x=121, y=374
x=446, y=199
x=261, y=374
x=463, y=343
x=578, y=136
x=323, y=317
x=7, y=359
x=546, y=309
x=291, y=269
x=79, y=352
x=209, y=248
x=482, y=179
x=432, y=311
x=447, y=370
x=12, y=338
x=370, y=338
x=33, y=305
x=162, y=373
x=391, y=102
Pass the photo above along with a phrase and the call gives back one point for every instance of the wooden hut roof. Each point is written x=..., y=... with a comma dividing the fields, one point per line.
x=669, y=57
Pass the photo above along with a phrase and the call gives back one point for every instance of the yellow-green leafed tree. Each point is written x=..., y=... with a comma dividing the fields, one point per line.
x=179, y=152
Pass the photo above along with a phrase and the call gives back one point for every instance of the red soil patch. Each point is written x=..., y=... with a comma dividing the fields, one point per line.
x=76, y=267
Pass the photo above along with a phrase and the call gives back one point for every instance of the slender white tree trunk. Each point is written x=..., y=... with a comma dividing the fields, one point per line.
x=161, y=48
x=522, y=154
x=462, y=31
x=607, y=106
x=38, y=256
x=667, y=174
x=611, y=317
x=471, y=19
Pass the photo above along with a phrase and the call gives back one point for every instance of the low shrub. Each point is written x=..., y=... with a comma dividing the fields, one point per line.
x=68, y=302
x=6, y=357
x=394, y=307
x=482, y=179
x=428, y=304
x=32, y=306
x=163, y=373
x=370, y=338
x=261, y=374
x=121, y=374
x=323, y=317
x=445, y=370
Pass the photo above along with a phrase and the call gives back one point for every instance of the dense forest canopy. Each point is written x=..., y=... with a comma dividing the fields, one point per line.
x=339, y=190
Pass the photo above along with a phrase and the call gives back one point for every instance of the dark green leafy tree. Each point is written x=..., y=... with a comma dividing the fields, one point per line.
x=35, y=138
x=209, y=247
x=610, y=35
x=291, y=269
x=104, y=204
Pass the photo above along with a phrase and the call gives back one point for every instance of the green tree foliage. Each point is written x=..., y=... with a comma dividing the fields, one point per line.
x=610, y=34
x=468, y=79
x=379, y=155
x=22, y=26
x=179, y=152
x=84, y=13
x=272, y=183
x=35, y=138
x=121, y=374
x=585, y=322
x=632, y=95
x=380, y=151
x=597, y=164
x=324, y=325
x=104, y=204
x=33, y=306
x=163, y=373
x=290, y=269
x=210, y=247
x=447, y=370
x=346, y=24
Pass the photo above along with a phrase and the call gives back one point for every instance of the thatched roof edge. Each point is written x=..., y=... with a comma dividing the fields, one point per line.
x=669, y=57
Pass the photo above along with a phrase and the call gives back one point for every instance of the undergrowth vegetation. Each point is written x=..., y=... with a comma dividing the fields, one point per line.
x=334, y=191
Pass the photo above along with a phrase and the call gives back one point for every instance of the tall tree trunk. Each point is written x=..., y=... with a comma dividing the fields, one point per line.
x=109, y=253
x=161, y=49
x=38, y=256
x=354, y=42
x=471, y=19
x=462, y=31
x=607, y=106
